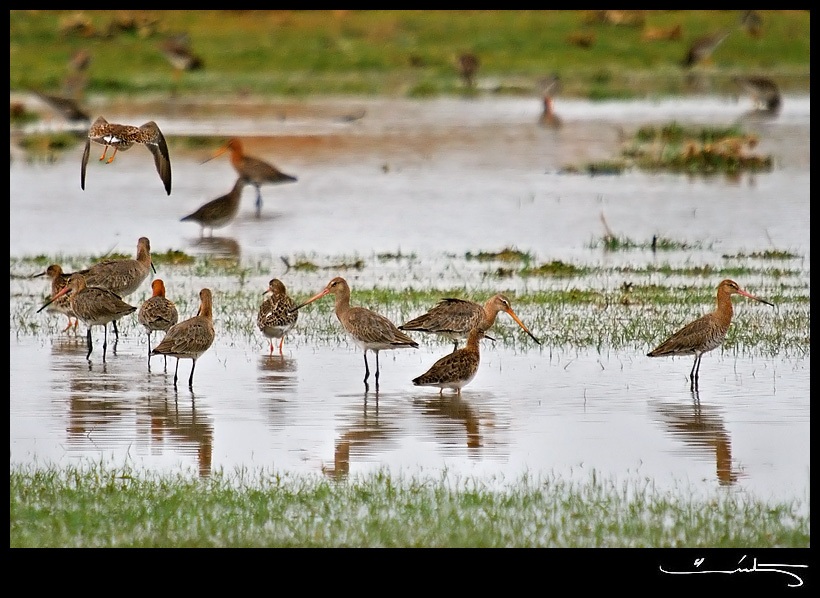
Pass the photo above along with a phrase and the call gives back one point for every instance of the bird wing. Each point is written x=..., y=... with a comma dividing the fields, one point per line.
x=86, y=153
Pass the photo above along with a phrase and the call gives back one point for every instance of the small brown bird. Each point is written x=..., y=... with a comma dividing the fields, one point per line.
x=157, y=313
x=455, y=318
x=369, y=330
x=707, y=332
x=190, y=338
x=752, y=22
x=121, y=138
x=177, y=50
x=62, y=305
x=218, y=212
x=93, y=305
x=254, y=171
x=702, y=48
x=468, y=64
x=457, y=369
x=276, y=318
x=548, y=87
x=764, y=92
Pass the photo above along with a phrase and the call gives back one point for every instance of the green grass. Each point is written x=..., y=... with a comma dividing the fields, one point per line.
x=409, y=53
x=104, y=506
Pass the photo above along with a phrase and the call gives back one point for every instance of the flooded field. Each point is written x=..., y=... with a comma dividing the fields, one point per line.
x=399, y=194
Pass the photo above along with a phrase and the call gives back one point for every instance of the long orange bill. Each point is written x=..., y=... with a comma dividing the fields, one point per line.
x=218, y=153
x=318, y=295
x=750, y=296
x=524, y=328
x=62, y=292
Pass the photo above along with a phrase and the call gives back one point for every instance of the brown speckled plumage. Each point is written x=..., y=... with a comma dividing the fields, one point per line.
x=454, y=318
x=190, y=338
x=275, y=318
x=369, y=330
x=456, y=369
x=707, y=332
x=157, y=313
x=93, y=305
x=121, y=138
x=59, y=279
x=124, y=276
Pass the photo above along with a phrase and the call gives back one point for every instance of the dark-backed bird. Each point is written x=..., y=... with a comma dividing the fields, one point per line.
x=254, y=171
x=457, y=369
x=219, y=212
x=455, y=318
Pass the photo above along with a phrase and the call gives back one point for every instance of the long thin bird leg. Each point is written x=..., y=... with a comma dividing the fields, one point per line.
x=105, y=151
x=88, y=342
x=105, y=341
x=191, y=377
x=366, y=369
x=258, y=201
x=377, y=371
x=176, y=371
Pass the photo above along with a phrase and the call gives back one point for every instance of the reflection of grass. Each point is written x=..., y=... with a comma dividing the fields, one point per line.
x=268, y=508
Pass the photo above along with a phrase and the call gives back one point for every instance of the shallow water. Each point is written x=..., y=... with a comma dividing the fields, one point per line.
x=430, y=181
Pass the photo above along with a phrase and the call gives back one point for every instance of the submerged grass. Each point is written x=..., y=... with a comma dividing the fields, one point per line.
x=592, y=307
x=103, y=506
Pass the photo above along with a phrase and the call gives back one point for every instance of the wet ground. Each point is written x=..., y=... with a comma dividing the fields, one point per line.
x=426, y=182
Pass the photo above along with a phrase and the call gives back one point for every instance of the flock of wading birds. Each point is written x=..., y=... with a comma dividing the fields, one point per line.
x=96, y=295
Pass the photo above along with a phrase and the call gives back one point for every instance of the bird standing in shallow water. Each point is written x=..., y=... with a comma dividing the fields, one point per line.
x=705, y=333
x=254, y=171
x=764, y=92
x=157, y=313
x=457, y=369
x=122, y=277
x=93, y=305
x=369, y=330
x=121, y=138
x=62, y=305
x=190, y=338
x=276, y=318
x=218, y=212
x=454, y=318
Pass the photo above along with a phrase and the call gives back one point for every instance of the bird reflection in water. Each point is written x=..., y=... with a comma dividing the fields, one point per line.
x=277, y=373
x=180, y=427
x=702, y=428
x=223, y=247
x=453, y=407
x=363, y=436
x=95, y=409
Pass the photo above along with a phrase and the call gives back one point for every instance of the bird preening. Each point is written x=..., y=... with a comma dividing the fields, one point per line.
x=121, y=138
